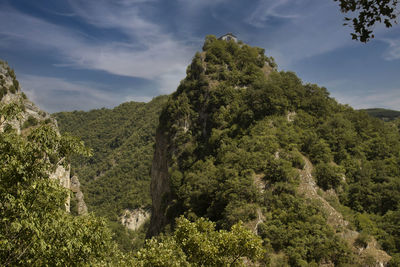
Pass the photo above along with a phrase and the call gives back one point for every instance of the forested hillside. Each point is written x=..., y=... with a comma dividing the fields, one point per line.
x=384, y=114
x=117, y=176
x=233, y=143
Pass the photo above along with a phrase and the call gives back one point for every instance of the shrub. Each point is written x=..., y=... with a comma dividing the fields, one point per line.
x=31, y=121
x=3, y=92
x=328, y=176
x=16, y=84
x=12, y=89
x=362, y=240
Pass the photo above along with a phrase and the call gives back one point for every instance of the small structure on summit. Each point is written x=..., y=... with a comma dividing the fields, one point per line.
x=227, y=37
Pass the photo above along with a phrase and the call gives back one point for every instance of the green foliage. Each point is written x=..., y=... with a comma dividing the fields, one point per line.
x=31, y=121
x=12, y=89
x=15, y=84
x=199, y=244
x=117, y=177
x=383, y=114
x=3, y=91
x=35, y=230
x=362, y=240
x=328, y=176
x=367, y=14
x=300, y=230
x=395, y=260
x=233, y=155
x=278, y=171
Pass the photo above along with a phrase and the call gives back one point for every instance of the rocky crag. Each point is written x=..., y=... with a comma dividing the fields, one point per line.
x=31, y=116
x=232, y=144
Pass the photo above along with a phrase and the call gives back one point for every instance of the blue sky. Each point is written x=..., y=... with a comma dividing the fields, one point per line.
x=85, y=54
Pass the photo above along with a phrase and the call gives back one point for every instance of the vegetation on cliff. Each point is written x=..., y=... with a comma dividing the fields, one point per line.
x=235, y=120
x=117, y=176
x=35, y=229
x=7, y=72
x=199, y=244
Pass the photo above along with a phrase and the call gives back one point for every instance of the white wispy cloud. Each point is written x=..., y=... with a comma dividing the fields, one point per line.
x=148, y=53
x=393, y=51
x=138, y=98
x=360, y=96
x=271, y=8
x=194, y=5
x=56, y=94
x=385, y=98
x=305, y=28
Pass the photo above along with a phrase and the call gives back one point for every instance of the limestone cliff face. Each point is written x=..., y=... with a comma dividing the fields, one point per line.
x=75, y=187
x=62, y=174
x=160, y=188
x=31, y=115
x=134, y=219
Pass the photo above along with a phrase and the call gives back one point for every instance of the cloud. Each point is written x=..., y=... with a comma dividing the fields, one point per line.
x=147, y=53
x=270, y=8
x=298, y=29
x=195, y=5
x=393, y=51
x=359, y=97
x=56, y=94
x=138, y=98
x=389, y=98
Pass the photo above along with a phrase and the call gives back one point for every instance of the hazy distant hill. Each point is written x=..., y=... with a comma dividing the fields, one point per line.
x=384, y=114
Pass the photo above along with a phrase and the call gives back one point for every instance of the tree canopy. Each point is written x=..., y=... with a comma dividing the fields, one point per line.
x=35, y=229
x=199, y=244
x=367, y=13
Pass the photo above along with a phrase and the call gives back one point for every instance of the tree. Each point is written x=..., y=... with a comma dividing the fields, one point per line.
x=199, y=244
x=367, y=14
x=35, y=230
x=328, y=176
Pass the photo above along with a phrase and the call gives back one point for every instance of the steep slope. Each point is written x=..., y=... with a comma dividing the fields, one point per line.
x=116, y=179
x=230, y=147
x=36, y=228
x=30, y=117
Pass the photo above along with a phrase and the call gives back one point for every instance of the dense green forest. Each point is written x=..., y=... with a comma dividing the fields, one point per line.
x=117, y=176
x=384, y=114
x=229, y=124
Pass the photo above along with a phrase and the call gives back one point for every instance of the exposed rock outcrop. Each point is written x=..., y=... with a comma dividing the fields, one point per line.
x=75, y=187
x=134, y=219
x=62, y=174
x=335, y=219
x=31, y=115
